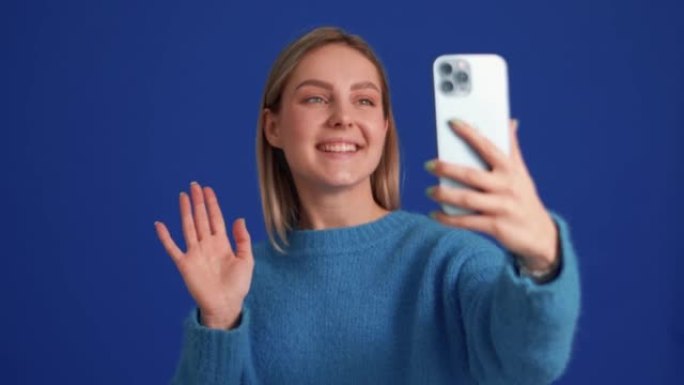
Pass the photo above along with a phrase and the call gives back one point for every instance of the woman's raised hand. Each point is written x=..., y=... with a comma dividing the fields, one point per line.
x=217, y=277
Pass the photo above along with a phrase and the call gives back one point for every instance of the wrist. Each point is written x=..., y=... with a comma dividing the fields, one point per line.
x=540, y=275
x=540, y=270
x=546, y=256
x=224, y=320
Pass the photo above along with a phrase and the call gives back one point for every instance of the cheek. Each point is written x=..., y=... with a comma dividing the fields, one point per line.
x=378, y=138
x=299, y=124
x=379, y=131
x=294, y=130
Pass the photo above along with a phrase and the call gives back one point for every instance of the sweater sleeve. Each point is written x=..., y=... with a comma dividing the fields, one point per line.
x=211, y=356
x=518, y=331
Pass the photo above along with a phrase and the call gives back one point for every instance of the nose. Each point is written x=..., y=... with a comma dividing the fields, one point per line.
x=340, y=116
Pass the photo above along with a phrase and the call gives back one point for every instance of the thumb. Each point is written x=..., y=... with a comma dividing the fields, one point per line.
x=243, y=242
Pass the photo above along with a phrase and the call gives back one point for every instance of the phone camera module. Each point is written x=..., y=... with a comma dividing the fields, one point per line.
x=447, y=86
x=461, y=77
x=445, y=69
x=453, y=77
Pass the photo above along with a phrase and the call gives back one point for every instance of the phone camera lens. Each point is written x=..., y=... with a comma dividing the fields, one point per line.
x=445, y=69
x=461, y=77
x=447, y=86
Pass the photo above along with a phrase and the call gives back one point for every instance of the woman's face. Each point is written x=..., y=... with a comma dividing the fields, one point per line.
x=331, y=124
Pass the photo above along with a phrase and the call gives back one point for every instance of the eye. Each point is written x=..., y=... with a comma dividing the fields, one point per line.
x=366, y=102
x=314, y=100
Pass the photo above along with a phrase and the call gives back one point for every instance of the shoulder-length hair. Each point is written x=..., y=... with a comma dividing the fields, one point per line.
x=279, y=199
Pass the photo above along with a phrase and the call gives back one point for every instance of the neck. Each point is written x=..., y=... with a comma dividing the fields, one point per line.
x=339, y=208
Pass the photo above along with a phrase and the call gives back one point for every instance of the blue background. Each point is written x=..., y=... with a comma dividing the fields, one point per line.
x=110, y=109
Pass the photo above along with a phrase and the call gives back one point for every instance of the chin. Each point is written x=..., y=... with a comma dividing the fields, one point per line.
x=342, y=180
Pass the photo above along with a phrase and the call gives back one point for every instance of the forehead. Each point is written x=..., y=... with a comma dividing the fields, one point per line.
x=337, y=64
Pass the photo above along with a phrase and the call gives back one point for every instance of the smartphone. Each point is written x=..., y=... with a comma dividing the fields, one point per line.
x=472, y=88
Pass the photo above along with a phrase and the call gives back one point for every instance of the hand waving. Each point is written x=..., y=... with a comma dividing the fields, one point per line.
x=217, y=277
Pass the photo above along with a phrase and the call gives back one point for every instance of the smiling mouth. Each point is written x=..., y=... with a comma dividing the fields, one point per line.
x=338, y=148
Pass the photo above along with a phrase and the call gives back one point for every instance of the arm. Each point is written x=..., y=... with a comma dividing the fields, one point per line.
x=518, y=331
x=213, y=356
x=218, y=278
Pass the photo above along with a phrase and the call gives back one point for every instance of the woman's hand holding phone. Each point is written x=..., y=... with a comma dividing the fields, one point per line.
x=217, y=277
x=505, y=198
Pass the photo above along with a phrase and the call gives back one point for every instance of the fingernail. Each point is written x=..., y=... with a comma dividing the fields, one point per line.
x=430, y=165
x=456, y=123
x=429, y=191
x=193, y=182
x=155, y=223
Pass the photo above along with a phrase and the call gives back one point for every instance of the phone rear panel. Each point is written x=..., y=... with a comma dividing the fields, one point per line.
x=474, y=89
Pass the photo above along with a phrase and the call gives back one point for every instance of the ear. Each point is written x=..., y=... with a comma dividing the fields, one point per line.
x=271, y=128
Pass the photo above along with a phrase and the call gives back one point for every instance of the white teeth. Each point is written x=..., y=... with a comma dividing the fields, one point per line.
x=337, y=147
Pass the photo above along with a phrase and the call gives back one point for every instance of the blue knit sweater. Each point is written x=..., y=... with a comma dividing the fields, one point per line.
x=401, y=300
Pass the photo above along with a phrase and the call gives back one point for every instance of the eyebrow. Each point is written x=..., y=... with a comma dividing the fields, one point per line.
x=328, y=86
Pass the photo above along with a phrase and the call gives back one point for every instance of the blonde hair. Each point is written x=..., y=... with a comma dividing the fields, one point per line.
x=279, y=199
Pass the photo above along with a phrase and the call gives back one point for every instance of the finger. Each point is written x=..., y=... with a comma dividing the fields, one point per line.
x=218, y=226
x=516, y=154
x=189, y=232
x=199, y=210
x=468, y=199
x=480, y=223
x=489, y=152
x=476, y=178
x=168, y=243
x=243, y=241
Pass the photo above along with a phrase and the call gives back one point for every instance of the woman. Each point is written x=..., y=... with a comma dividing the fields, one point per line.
x=351, y=289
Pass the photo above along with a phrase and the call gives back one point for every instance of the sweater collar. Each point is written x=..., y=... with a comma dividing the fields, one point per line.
x=345, y=238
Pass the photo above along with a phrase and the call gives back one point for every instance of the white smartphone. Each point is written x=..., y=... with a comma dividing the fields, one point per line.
x=472, y=88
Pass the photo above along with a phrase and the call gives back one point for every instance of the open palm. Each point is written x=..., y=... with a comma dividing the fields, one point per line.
x=217, y=277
